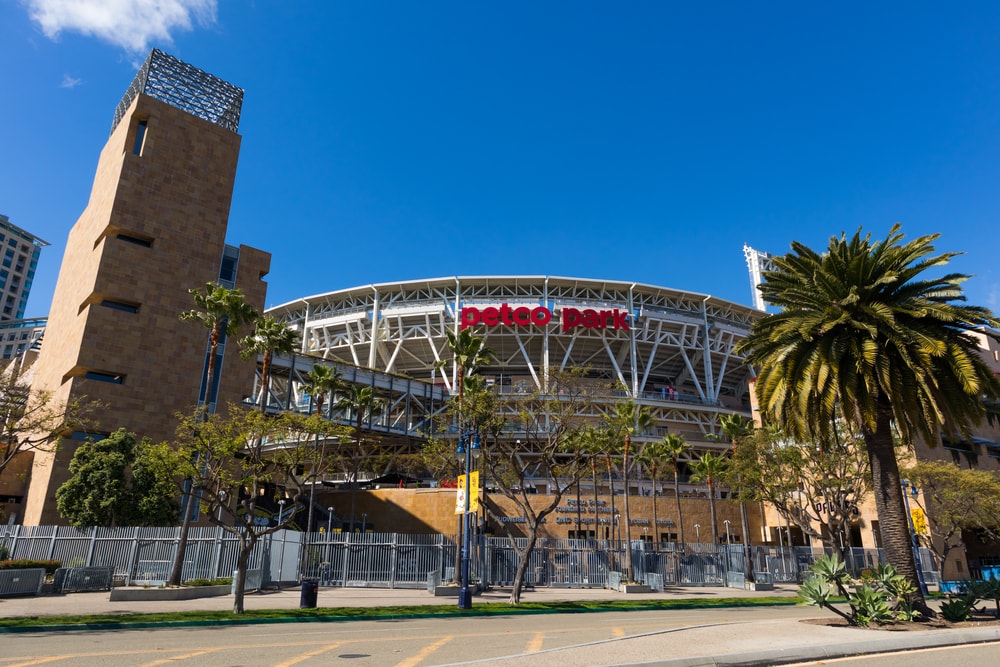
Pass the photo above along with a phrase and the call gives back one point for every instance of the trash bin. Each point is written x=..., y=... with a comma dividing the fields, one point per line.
x=310, y=588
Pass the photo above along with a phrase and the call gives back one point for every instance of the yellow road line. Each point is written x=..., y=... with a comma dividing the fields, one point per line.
x=310, y=654
x=195, y=654
x=39, y=661
x=536, y=643
x=618, y=632
x=415, y=660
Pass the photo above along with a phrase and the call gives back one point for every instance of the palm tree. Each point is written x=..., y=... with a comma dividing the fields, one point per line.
x=362, y=403
x=269, y=337
x=652, y=457
x=629, y=418
x=864, y=334
x=675, y=446
x=468, y=353
x=320, y=381
x=221, y=311
x=709, y=468
x=737, y=427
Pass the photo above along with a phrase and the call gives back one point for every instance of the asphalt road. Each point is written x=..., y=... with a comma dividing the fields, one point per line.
x=587, y=639
x=977, y=655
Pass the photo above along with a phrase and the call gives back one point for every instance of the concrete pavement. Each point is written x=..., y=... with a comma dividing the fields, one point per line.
x=726, y=642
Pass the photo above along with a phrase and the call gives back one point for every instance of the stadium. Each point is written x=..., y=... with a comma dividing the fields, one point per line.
x=672, y=351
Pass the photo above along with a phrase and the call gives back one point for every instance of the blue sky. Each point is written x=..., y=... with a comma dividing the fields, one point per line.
x=640, y=141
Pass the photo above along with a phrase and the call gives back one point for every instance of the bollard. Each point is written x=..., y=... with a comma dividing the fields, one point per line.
x=310, y=588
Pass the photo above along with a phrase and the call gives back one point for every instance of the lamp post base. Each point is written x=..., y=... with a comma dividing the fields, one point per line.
x=465, y=598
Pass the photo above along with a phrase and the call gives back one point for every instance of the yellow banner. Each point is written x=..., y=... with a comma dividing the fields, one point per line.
x=473, y=493
x=919, y=521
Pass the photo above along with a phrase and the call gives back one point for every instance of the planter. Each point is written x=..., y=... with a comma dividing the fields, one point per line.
x=167, y=594
x=634, y=588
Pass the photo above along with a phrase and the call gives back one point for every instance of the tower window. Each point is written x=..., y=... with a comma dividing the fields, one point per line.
x=120, y=305
x=128, y=238
x=140, y=137
x=105, y=377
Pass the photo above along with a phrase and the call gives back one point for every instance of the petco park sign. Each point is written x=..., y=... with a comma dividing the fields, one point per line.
x=522, y=316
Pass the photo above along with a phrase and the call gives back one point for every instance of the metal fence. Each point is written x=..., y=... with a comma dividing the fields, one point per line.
x=394, y=560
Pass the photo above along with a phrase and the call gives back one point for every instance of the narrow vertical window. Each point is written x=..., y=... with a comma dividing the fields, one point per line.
x=140, y=137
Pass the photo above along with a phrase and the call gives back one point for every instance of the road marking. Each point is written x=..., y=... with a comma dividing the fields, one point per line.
x=415, y=660
x=40, y=661
x=536, y=643
x=311, y=654
x=166, y=661
x=618, y=632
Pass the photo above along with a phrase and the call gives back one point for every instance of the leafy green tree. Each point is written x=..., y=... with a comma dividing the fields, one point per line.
x=224, y=458
x=864, y=334
x=31, y=420
x=269, y=337
x=112, y=483
x=221, y=311
x=674, y=447
x=628, y=418
x=955, y=500
x=808, y=484
x=710, y=468
x=550, y=427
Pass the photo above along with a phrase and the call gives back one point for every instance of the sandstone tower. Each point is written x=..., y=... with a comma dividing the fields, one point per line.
x=154, y=227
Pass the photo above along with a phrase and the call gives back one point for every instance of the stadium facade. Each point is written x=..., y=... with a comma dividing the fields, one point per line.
x=672, y=351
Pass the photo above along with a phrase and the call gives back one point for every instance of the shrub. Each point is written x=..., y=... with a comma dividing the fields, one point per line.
x=883, y=597
x=23, y=564
x=4, y=552
x=221, y=581
x=957, y=609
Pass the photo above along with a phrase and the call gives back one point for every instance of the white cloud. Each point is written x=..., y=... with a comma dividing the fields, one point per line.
x=70, y=82
x=131, y=24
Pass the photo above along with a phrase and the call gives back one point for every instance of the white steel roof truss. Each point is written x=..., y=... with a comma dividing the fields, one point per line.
x=690, y=368
x=527, y=360
x=614, y=361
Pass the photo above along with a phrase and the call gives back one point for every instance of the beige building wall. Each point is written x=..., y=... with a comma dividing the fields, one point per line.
x=154, y=228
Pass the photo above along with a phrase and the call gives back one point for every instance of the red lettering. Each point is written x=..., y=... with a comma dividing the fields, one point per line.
x=491, y=316
x=541, y=315
x=619, y=320
x=505, y=315
x=522, y=317
x=470, y=317
x=570, y=318
x=591, y=320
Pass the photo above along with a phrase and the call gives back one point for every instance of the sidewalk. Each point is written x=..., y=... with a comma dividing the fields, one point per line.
x=288, y=598
x=762, y=642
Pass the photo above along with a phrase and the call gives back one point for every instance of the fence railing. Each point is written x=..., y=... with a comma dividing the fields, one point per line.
x=395, y=560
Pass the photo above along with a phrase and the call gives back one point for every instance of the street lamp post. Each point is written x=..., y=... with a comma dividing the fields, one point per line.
x=364, y=523
x=222, y=501
x=281, y=558
x=729, y=538
x=329, y=521
x=466, y=452
x=913, y=534
x=697, y=535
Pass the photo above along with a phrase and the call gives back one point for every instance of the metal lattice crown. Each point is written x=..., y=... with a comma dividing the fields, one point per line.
x=184, y=87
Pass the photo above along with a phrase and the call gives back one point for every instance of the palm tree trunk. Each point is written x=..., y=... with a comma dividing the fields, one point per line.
x=177, y=567
x=656, y=527
x=677, y=499
x=711, y=506
x=887, y=488
x=628, y=515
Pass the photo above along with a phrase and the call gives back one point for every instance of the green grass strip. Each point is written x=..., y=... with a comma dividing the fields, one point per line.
x=332, y=614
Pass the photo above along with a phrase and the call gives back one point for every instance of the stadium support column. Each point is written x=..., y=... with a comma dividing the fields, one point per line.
x=372, y=351
x=545, y=339
x=633, y=365
x=709, y=372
